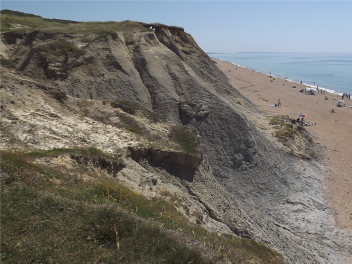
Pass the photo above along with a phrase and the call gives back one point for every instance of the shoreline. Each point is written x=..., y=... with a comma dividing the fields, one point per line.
x=331, y=91
x=333, y=131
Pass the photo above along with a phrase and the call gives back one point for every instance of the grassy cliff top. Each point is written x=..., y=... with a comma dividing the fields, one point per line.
x=14, y=21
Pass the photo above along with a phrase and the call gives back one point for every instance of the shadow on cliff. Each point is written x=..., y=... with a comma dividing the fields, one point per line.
x=178, y=164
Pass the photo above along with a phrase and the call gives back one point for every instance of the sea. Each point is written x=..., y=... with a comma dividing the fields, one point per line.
x=329, y=71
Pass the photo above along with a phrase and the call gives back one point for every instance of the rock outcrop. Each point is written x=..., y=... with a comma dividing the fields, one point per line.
x=179, y=164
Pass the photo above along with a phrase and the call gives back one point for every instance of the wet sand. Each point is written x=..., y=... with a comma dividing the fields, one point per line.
x=332, y=130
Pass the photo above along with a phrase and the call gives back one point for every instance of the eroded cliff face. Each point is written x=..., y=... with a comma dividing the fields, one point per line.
x=59, y=94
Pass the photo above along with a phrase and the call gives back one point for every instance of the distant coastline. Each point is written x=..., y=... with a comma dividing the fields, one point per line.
x=328, y=71
x=289, y=80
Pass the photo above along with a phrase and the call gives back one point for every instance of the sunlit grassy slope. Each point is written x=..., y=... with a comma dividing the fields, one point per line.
x=49, y=214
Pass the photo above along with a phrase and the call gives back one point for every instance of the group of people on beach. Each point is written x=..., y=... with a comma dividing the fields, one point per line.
x=302, y=122
x=346, y=95
x=320, y=91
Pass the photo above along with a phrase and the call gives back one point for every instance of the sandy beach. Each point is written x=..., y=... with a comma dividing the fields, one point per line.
x=332, y=130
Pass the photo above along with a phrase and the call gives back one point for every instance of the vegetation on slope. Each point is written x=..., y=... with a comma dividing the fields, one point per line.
x=186, y=137
x=284, y=127
x=5, y=62
x=14, y=21
x=49, y=214
x=62, y=47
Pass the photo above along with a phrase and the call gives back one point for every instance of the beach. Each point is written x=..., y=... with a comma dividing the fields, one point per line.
x=333, y=131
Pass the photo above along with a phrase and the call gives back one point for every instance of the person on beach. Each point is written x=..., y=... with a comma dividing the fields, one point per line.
x=279, y=102
x=301, y=82
x=298, y=120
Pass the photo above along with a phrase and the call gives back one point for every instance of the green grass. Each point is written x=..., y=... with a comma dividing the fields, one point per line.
x=44, y=229
x=284, y=127
x=126, y=105
x=50, y=216
x=186, y=137
x=21, y=22
x=40, y=223
x=90, y=40
x=61, y=48
x=17, y=13
x=4, y=61
x=132, y=125
x=90, y=152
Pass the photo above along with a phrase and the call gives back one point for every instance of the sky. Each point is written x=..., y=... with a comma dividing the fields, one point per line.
x=222, y=26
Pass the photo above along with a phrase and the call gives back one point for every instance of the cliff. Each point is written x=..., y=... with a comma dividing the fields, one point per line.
x=128, y=92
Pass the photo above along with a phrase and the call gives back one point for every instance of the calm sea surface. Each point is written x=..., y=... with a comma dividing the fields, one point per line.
x=332, y=72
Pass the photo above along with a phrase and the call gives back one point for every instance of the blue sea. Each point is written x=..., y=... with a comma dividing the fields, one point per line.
x=329, y=71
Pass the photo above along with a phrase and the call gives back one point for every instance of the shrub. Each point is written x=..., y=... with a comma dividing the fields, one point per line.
x=5, y=62
x=62, y=47
x=285, y=128
x=131, y=124
x=186, y=137
x=126, y=105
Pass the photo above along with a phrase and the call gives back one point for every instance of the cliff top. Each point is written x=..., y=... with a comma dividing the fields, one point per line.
x=14, y=21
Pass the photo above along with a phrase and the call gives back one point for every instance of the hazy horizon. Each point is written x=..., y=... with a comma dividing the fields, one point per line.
x=209, y=52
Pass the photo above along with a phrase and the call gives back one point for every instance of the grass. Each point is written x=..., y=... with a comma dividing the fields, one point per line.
x=98, y=221
x=62, y=48
x=284, y=127
x=132, y=125
x=186, y=137
x=17, y=13
x=45, y=229
x=129, y=122
x=90, y=40
x=22, y=22
x=4, y=61
x=89, y=152
x=176, y=201
x=126, y=106
x=51, y=227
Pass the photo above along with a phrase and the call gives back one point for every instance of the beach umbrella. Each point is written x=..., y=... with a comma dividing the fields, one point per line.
x=302, y=115
x=340, y=101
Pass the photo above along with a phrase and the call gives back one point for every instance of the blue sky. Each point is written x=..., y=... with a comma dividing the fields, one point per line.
x=223, y=26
